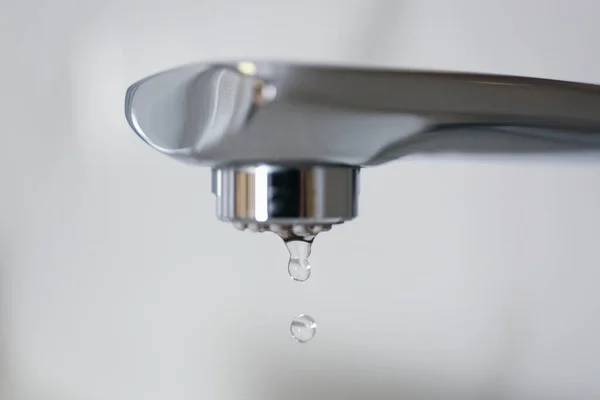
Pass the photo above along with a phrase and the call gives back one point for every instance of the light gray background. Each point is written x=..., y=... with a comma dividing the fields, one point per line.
x=117, y=282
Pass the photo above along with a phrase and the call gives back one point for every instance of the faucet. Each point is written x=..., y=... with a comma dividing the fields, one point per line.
x=286, y=142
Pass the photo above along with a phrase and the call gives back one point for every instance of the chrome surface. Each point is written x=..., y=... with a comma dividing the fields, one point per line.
x=271, y=112
x=268, y=197
x=294, y=117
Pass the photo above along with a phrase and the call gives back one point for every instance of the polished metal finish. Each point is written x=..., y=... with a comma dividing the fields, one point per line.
x=274, y=114
x=270, y=112
x=262, y=195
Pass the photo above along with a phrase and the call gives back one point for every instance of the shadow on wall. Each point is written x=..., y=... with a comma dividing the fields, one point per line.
x=356, y=387
x=6, y=384
x=4, y=378
x=367, y=379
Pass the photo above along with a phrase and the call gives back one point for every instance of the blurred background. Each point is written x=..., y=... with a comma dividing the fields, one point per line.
x=117, y=282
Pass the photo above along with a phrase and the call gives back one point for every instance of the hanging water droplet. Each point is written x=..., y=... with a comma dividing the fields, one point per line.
x=298, y=266
x=303, y=328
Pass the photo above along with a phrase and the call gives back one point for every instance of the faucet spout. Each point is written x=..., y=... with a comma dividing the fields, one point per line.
x=286, y=141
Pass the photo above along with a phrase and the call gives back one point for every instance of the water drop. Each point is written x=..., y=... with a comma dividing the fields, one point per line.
x=298, y=266
x=303, y=328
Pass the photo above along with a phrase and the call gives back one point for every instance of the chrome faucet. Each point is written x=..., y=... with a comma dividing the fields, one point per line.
x=286, y=142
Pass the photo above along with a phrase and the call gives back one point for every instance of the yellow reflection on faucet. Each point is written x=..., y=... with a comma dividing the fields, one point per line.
x=247, y=68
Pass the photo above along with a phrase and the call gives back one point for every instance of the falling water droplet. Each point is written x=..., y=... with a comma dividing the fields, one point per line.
x=298, y=266
x=303, y=328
